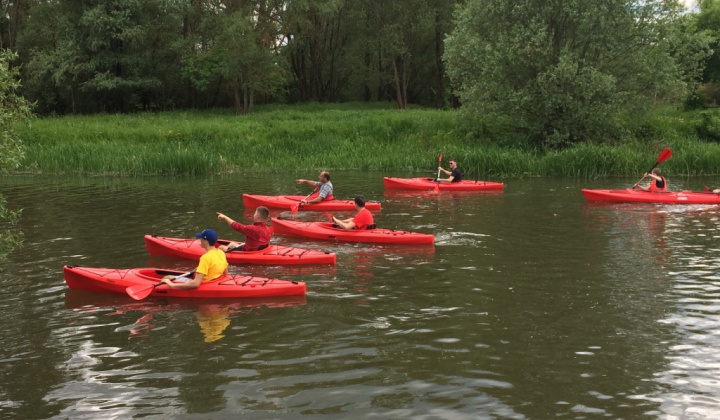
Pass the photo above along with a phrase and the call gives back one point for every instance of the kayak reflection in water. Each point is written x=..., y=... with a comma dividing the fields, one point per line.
x=323, y=188
x=657, y=182
x=257, y=235
x=362, y=220
x=213, y=263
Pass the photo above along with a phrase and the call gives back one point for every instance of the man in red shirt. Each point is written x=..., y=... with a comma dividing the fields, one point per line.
x=257, y=235
x=362, y=219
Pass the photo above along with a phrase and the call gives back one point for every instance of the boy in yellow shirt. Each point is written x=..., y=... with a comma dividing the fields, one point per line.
x=213, y=263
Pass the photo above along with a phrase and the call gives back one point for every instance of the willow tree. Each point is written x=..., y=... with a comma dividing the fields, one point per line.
x=563, y=71
x=13, y=109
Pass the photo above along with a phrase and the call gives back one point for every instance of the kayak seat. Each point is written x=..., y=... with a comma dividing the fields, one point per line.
x=240, y=248
x=369, y=227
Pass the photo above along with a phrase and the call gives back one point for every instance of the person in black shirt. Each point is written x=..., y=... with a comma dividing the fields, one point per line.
x=454, y=172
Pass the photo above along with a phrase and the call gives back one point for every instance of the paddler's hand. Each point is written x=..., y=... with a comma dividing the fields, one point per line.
x=221, y=216
x=169, y=281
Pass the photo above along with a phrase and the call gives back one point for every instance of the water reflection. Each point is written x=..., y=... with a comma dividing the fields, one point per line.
x=213, y=316
x=533, y=304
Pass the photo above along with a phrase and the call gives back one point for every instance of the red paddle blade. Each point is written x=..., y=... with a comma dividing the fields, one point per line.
x=440, y=157
x=329, y=216
x=437, y=188
x=294, y=208
x=664, y=155
x=140, y=291
x=706, y=188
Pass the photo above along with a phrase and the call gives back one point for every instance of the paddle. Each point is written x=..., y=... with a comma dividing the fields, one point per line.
x=437, y=180
x=141, y=291
x=295, y=207
x=662, y=157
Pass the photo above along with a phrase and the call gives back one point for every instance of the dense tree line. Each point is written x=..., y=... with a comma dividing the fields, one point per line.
x=561, y=72
x=85, y=56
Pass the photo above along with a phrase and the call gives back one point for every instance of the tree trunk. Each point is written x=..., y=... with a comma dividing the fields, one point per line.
x=14, y=26
x=439, y=71
x=399, y=88
x=236, y=99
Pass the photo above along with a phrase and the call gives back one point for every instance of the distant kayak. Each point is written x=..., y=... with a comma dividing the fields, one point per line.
x=326, y=231
x=272, y=255
x=429, y=184
x=287, y=201
x=667, y=197
x=112, y=280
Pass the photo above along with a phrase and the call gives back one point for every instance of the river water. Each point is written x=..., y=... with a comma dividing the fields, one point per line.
x=533, y=304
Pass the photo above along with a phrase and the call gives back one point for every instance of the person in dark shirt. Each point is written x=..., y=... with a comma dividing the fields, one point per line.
x=454, y=172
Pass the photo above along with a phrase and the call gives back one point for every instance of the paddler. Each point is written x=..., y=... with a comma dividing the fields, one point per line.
x=362, y=220
x=257, y=235
x=213, y=263
x=454, y=172
x=657, y=182
x=323, y=188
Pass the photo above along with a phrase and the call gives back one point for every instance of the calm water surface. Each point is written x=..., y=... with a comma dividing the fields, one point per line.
x=533, y=304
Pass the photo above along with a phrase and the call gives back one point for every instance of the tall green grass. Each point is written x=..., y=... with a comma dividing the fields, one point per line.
x=350, y=136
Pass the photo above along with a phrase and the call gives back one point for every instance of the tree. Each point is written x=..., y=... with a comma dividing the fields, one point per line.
x=707, y=21
x=322, y=47
x=13, y=109
x=563, y=71
x=243, y=53
x=108, y=56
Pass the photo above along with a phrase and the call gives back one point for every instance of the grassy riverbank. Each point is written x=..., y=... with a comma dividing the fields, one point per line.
x=348, y=136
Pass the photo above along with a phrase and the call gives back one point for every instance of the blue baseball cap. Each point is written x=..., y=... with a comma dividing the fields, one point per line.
x=209, y=235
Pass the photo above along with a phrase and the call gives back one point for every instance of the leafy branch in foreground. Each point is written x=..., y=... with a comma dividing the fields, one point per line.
x=13, y=109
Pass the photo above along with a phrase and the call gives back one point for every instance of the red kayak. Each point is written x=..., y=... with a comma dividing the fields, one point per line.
x=326, y=231
x=111, y=280
x=286, y=202
x=430, y=184
x=665, y=197
x=272, y=255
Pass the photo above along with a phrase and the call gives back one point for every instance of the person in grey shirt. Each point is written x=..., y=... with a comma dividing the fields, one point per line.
x=323, y=188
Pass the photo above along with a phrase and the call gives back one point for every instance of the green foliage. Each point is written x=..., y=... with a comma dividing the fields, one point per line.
x=10, y=237
x=708, y=126
x=565, y=72
x=114, y=55
x=707, y=22
x=348, y=136
x=14, y=109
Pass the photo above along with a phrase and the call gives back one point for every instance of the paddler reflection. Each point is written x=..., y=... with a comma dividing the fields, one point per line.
x=213, y=318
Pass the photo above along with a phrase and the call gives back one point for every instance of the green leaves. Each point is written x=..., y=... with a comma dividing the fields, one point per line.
x=565, y=71
x=13, y=109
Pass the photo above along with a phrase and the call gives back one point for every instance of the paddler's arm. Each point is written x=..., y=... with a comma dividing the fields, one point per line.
x=305, y=181
x=192, y=284
x=313, y=201
x=221, y=216
x=346, y=224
